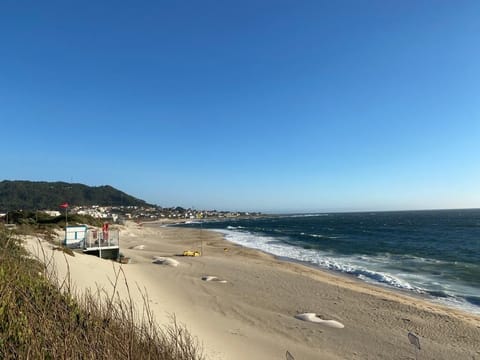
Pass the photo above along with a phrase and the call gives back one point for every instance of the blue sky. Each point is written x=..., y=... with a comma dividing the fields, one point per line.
x=246, y=105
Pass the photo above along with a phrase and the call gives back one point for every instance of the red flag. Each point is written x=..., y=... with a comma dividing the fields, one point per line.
x=64, y=205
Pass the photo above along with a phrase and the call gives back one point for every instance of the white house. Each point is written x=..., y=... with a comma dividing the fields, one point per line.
x=52, y=212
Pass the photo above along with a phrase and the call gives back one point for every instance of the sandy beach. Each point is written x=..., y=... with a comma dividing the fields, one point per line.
x=250, y=307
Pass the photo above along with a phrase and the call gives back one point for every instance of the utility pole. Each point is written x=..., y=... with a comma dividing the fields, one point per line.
x=201, y=237
x=66, y=223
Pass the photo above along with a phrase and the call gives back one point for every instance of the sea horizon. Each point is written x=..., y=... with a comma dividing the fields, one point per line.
x=313, y=212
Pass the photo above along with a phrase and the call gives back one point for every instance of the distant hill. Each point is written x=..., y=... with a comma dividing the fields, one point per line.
x=30, y=195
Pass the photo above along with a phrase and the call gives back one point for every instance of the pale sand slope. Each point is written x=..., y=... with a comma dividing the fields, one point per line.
x=252, y=316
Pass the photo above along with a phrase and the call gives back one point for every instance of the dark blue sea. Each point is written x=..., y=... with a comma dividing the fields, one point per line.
x=435, y=253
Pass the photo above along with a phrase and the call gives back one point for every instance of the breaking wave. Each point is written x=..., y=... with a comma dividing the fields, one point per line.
x=376, y=269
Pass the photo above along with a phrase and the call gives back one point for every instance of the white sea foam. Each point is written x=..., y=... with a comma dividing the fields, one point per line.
x=322, y=259
x=235, y=227
x=319, y=236
x=374, y=269
x=305, y=215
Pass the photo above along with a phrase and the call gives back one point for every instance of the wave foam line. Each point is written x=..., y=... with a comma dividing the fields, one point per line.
x=315, y=257
x=374, y=269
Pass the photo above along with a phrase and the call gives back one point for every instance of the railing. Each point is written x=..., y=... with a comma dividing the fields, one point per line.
x=99, y=238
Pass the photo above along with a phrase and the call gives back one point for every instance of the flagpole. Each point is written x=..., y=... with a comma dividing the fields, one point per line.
x=65, y=206
x=66, y=224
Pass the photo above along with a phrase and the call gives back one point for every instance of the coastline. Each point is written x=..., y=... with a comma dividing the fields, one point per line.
x=410, y=291
x=423, y=264
x=253, y=314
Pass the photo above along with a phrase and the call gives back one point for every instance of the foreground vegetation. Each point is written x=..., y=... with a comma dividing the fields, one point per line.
x=42, y=318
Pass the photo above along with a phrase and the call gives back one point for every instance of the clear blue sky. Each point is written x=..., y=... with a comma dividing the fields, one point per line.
x=247, y=105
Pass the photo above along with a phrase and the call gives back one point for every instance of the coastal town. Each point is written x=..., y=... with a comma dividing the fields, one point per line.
x=119, y=214
x=143, y=213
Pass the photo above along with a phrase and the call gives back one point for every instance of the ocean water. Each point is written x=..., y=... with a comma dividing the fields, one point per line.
x=435, y=253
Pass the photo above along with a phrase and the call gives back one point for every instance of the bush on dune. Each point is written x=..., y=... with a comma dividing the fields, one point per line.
x=42, y=318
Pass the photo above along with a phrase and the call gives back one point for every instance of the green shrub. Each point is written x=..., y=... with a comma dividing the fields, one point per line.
x=41, y=318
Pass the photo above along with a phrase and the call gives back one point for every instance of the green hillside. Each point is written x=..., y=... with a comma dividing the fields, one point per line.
x=30, y=195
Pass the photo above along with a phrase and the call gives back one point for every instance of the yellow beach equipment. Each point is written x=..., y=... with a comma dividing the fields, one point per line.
x=191, y=253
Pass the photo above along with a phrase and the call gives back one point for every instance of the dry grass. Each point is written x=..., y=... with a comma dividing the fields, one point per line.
x=42, y=318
